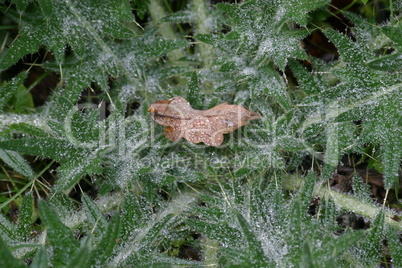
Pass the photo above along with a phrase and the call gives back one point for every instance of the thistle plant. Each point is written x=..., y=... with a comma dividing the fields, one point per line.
x=95, y=182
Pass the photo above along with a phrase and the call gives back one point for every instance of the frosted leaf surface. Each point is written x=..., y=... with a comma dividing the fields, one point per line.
x=6, y=120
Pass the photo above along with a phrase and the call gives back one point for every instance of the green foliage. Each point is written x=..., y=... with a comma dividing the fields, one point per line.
x=40, y=260
x=59, y=236
x=26, y=217
x=7, y=259
x=395, y=246
x=372, y=243
x=230, y=204
x=362, y=93
x=59, y=23
x=14, y=97
x=17, y=162
x=266, y=231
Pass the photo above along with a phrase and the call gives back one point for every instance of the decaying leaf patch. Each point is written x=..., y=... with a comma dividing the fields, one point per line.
x=182, y=121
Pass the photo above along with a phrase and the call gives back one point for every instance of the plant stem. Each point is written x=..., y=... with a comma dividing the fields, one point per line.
x=157, y=12
x=343, y=201
x=202, y=21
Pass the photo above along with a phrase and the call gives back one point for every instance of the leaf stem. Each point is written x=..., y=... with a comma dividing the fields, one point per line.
x=343, y=201
x=332, y=113
x=30, y=183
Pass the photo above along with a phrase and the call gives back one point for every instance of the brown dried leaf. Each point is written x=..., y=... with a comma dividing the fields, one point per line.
x=182, y=121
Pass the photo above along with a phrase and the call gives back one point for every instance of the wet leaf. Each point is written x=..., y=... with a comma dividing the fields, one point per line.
x=182, y=121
